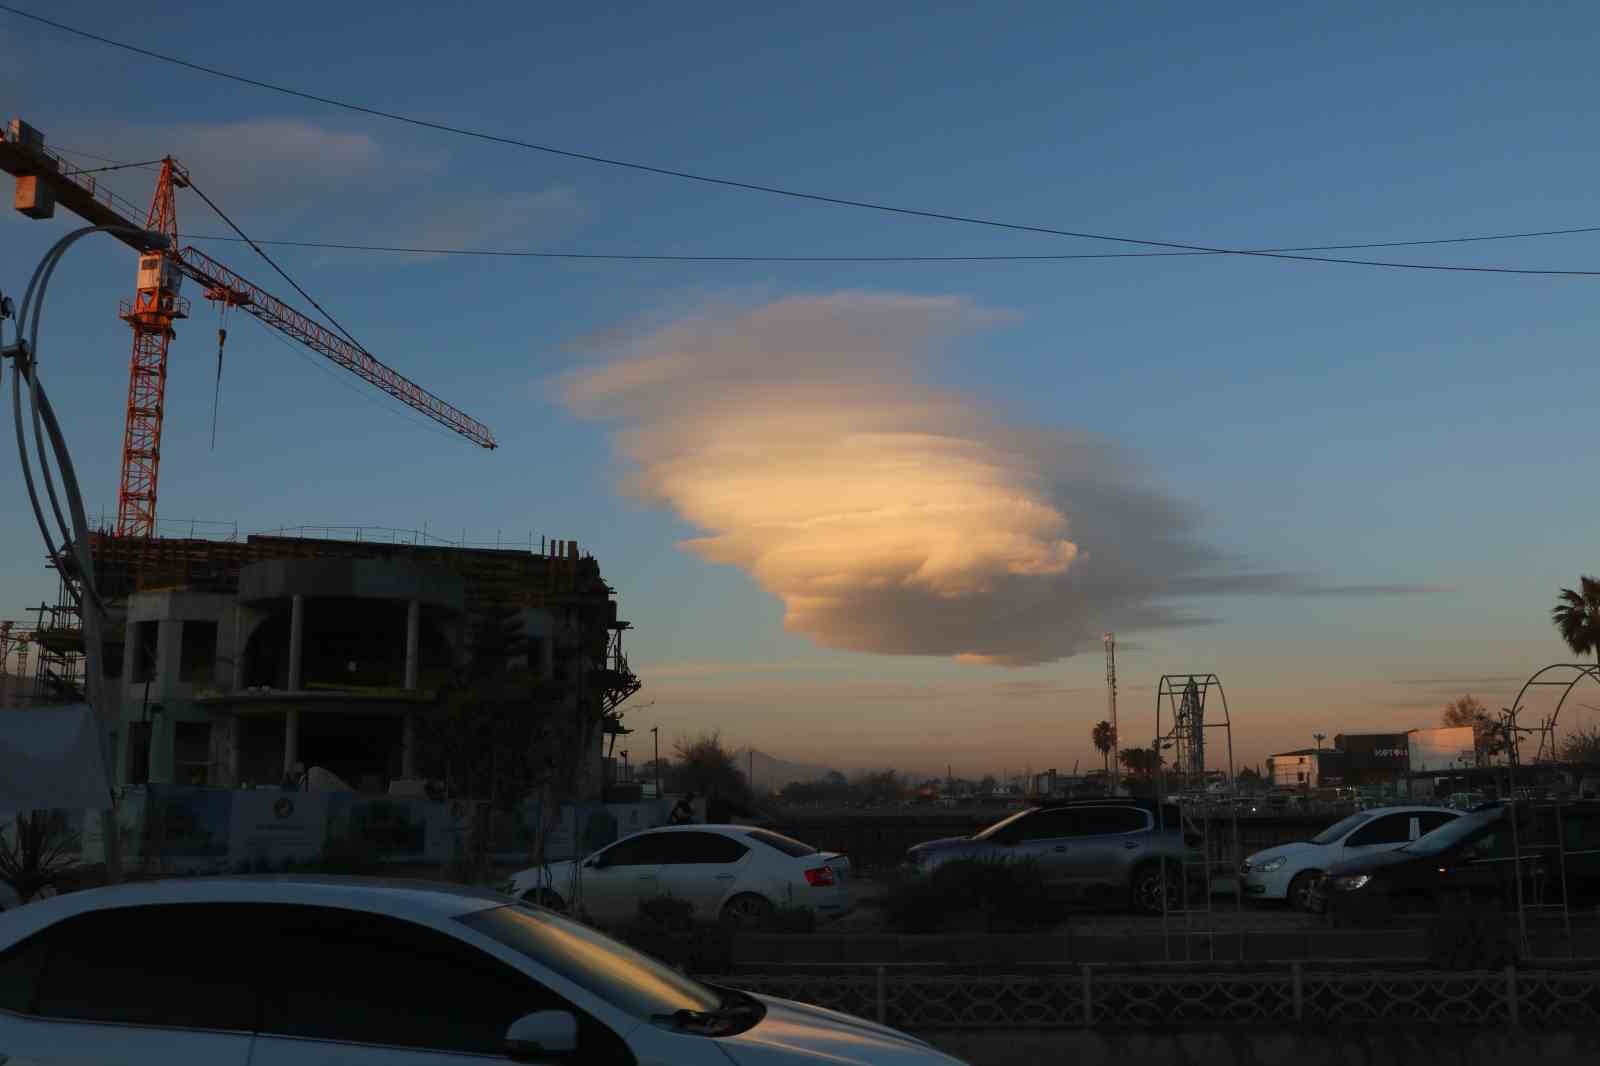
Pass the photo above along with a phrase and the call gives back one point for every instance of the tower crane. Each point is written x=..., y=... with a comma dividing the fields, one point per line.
x=44, y=179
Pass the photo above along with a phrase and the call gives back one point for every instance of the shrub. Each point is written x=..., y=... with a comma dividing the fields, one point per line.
x=794, y=920
x=667, y=912
x=1000, y=896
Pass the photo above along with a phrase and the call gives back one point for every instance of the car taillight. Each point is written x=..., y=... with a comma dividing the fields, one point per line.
x=821, y=877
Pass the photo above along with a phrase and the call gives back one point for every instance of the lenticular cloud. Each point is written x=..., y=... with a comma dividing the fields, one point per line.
x=888, y=515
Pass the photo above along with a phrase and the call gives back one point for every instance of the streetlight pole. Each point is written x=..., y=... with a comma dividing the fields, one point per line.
x=655, y=733
x=1319, y=738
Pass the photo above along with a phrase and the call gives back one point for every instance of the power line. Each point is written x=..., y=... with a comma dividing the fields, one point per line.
x=642, y=257
x=772, y=190
x=119, y=166
x=273, y=263
x=97, y=158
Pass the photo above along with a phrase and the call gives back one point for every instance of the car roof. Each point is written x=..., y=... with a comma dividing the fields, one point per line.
x=426, y=902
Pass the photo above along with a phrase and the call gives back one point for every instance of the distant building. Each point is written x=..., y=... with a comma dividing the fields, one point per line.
x=1305, y=768
x=1442, y=750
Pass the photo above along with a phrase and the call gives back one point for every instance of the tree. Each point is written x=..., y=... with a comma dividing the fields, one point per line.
x=1105, y=738
x=37, y=853
x=987, y=786
x=1577, y=615
x=1249, y=779
x=1141, y=761
x=1582, y=746
x=1488, y=734
x=705, y=767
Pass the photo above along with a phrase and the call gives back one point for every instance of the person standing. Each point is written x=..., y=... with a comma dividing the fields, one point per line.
x=683, y=810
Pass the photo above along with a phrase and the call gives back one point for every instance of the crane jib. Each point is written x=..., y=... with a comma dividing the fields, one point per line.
x=224, y=284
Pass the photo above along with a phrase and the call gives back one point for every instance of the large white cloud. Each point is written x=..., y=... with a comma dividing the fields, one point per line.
x=888, y=515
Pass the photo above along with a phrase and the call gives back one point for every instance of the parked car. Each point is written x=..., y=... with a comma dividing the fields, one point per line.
x=1096, y=847
x=1473, y=861
x=735, y=873
x=1287, y=872
x=281, y=971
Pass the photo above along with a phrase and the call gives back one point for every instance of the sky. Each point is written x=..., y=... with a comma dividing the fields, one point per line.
x=879, y=514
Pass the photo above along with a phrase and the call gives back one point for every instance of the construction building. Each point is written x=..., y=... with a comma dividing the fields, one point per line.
x=233, y=662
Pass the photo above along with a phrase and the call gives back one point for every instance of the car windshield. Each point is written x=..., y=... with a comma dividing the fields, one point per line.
x=1337, y=830
x=1450, y=834
x=621, y=976
x=1002, y=823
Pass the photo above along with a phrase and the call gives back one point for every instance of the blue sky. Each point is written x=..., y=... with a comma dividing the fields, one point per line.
x=1350, y=426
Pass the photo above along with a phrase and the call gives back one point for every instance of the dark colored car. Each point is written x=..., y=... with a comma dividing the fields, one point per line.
x=1473, y=861
x=1119, y=848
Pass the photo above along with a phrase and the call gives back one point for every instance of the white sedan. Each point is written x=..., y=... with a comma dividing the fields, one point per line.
x=736, y=873
x=1288, y=871
x=308, y=971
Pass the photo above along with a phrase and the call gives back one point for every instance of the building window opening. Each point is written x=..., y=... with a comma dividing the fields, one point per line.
x=191, y=753
x=197, y=660
x=111, y=654
x=148, y=638
x=138, y=753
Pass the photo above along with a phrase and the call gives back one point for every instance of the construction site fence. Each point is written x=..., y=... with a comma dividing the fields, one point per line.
x=1295, y=994
x=176, y=829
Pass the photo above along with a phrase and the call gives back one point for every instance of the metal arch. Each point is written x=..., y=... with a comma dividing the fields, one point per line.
x=1547, y=730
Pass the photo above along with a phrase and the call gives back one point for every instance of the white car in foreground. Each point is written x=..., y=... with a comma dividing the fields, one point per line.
x=309, y=971
x=735, y=873
x=1288, y=871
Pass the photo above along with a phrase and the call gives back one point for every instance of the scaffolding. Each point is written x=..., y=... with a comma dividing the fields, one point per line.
x=57, y=637
x=1205, y=807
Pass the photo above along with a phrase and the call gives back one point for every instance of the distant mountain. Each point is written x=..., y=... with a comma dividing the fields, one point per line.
x=772, y=772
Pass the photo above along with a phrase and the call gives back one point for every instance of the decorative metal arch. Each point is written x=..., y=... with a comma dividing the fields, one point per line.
x=1546, y=729
x=1186, y=699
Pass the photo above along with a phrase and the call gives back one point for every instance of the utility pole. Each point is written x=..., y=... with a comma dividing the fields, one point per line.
x=655, y=734
x=1111, y=708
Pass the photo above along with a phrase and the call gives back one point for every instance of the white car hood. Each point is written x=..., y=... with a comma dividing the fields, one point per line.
x=1299, y=849
x=793, y=1033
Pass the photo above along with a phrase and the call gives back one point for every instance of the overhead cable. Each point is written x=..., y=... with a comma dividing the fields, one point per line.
x=672, y=258
x=772, y=190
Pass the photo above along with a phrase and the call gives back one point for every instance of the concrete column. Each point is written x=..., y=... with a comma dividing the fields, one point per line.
x=413, y=642
x=169, y=657
x=291, y=738
x=235, y=747
x=162, y=737
x=237, y=680
x=297, y=633
x=408, y=747
x=132, y=650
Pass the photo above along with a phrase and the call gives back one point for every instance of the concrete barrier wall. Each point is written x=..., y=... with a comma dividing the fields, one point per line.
x=1341, y=1046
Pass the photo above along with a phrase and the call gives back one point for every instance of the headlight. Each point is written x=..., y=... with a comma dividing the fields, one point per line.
x=1351, y=882
x=1267, y=866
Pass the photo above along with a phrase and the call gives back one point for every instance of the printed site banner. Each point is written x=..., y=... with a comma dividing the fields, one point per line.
x=186, y=829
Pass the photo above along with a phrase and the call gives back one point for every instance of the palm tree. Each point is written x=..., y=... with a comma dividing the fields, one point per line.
x=1105, y=738
x=1577, y=615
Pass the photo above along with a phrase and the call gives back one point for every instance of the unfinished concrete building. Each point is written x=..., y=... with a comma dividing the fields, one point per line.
x=230, y=663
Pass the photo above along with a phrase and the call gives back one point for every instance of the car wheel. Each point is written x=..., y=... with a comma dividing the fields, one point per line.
x=1150, y=892
x=1300, y=889
x=545, y=897
x=748, y=911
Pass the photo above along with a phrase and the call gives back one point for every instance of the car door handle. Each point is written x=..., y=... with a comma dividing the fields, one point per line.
x=1130, y=844
x=1061, y=847
x=725, y=877
x=647, y=877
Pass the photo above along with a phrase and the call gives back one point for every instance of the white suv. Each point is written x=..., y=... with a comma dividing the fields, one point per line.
x=1289, y=871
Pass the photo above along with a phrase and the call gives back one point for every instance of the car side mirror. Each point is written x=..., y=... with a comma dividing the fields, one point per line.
x=541, y=1035
x=596, y=863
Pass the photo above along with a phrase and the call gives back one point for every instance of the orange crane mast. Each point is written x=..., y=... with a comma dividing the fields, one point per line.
x=44, y=179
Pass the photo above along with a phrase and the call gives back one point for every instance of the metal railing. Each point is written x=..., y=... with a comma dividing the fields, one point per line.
x=1296, y=995
x=74, y=173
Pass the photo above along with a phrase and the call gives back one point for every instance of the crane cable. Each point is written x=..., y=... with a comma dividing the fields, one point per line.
x=216, y=395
